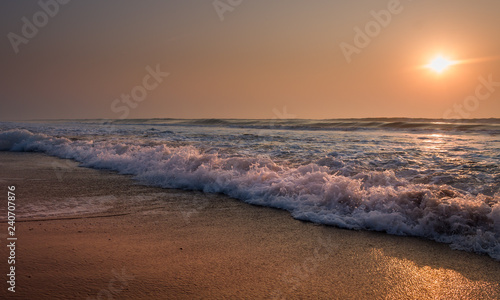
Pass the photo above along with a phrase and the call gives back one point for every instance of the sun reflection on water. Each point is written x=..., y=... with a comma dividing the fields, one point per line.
x=434, y=142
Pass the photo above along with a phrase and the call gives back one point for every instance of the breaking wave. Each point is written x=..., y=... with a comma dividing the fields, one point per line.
x=372, y=200
x=491, y=126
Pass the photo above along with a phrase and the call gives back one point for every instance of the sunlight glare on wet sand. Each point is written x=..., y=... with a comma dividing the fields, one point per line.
x=406, y=280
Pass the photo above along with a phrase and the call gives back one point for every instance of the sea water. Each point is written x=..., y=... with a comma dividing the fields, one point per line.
x=437, y=179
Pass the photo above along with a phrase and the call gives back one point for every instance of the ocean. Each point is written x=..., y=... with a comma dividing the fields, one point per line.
x=435, y=179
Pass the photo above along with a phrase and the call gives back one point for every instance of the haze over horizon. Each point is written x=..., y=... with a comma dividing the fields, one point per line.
x=249, y=59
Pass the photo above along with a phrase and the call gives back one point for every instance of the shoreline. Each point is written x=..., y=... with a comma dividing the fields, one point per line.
x=130, y=241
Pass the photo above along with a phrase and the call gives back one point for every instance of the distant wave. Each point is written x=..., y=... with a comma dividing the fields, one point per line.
x=373, y=200
x=458, y=125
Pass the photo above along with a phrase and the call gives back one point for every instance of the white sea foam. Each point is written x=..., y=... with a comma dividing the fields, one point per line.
x=373, y=200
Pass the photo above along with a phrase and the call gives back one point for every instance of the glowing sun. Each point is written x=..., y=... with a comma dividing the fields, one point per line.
x=439, y=64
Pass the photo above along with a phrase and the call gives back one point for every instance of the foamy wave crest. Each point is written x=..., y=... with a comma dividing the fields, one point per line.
x=371, y=200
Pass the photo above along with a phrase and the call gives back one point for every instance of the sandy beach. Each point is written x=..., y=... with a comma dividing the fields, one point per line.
x=94, y=234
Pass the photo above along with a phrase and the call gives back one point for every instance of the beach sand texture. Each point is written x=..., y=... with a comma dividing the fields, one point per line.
x=93, y=234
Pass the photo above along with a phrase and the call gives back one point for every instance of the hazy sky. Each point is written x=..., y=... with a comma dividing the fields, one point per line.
x=248, y=59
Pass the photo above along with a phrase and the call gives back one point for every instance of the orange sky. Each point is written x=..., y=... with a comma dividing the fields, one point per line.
x=262, y=56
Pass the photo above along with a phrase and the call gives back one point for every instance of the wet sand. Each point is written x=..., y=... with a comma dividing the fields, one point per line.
x=101, y=235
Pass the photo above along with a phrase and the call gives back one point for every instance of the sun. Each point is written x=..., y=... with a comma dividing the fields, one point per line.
x=439, y=64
